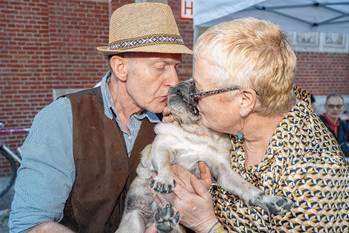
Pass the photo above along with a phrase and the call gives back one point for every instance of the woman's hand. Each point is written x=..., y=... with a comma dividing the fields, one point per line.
x=193, y=201
x=151, y=229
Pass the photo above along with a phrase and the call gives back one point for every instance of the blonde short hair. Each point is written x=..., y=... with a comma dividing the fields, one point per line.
x=253, y=54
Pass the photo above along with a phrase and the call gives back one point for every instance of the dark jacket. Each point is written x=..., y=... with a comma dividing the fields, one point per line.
x=343, y=134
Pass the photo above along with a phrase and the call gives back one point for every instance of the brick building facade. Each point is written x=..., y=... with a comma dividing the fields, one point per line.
x=50, y=45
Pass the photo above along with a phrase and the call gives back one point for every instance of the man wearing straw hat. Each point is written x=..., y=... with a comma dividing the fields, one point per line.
x=83, y=148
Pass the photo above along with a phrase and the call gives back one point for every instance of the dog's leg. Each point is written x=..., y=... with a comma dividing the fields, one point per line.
x=166, y=219
x=132, y=222
x=251, y=195
x=138, y=211
x=162, y=159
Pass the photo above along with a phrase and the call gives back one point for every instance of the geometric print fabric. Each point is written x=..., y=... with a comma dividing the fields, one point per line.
x=303, y=163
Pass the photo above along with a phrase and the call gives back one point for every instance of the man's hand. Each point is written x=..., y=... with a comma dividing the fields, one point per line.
x=166, y=116
x=51, y=227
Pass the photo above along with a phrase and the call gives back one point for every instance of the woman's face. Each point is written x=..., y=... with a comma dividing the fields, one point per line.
x=218, y=112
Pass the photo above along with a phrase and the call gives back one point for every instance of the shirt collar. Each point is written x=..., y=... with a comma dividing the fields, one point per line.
x=330, y=122
x=108, y=105
x=152, y=117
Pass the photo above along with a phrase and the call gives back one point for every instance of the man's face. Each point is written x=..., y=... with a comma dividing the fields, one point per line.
x=334, y=107
x=150, y=75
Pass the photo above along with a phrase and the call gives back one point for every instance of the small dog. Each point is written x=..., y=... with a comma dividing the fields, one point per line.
x=184, y=142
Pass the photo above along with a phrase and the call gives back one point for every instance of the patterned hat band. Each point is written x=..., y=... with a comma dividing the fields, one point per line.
x=146, y=41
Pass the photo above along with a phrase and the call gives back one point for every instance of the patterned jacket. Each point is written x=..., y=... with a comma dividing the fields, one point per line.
x=303, y=163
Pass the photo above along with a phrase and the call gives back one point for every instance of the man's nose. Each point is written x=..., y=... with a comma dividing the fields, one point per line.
x=173, y=77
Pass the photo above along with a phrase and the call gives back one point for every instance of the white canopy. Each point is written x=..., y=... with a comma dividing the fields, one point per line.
x=291, y=15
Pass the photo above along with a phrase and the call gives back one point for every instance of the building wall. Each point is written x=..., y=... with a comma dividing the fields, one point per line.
x=50, y=45
x=186, y=30
x=323, y=73
x=46, y=45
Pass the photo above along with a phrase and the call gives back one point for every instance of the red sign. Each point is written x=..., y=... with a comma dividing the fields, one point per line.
x=187, y=9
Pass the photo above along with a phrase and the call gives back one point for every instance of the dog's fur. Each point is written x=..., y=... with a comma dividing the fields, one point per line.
x=184, y=142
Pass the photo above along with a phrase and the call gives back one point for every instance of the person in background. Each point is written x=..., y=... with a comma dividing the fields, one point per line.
x=83, y=149
x=244, y=73
x=345, y=116
x=334, y=107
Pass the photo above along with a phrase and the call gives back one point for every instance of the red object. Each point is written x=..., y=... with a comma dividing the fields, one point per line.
x=333, y=125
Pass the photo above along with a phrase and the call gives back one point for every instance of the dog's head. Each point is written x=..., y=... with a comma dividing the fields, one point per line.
x=182, y=107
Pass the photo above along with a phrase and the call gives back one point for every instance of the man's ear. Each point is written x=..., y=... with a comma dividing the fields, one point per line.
x=248, y=101
x=119, y=66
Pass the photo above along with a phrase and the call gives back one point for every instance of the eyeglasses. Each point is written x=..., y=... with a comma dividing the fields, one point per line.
x=332, y=106
x=195, y=95
x=192, y=99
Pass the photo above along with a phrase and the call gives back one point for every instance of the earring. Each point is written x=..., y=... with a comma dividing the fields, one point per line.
x=239, y=136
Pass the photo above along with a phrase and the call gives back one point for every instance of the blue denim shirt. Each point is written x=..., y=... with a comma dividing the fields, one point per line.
x=46, y=175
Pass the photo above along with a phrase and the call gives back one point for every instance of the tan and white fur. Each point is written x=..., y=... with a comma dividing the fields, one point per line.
x=184, y=142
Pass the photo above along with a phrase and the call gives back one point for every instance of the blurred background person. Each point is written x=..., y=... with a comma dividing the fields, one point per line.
x=334, y=107
x=345, y=117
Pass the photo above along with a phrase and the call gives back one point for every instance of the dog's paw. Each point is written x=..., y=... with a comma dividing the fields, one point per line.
x=166, y=218
x=163, y=184
x=274, y=204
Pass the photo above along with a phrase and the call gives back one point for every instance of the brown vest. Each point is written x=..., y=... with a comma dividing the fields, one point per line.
x=103, y=168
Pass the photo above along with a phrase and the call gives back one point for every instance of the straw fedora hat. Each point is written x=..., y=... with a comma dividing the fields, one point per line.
x=144, y=27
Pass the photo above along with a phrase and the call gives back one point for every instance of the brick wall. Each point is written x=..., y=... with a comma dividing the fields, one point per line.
x=47, y=44
x=186, y=30
x=323, y=73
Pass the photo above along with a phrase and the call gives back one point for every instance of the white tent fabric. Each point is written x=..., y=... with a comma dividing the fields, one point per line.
x=291, y=15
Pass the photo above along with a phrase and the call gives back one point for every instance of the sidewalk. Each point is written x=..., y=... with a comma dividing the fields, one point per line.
x=5, y=203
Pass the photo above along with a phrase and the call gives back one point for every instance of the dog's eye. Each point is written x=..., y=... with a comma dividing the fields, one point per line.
x=194, y=110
